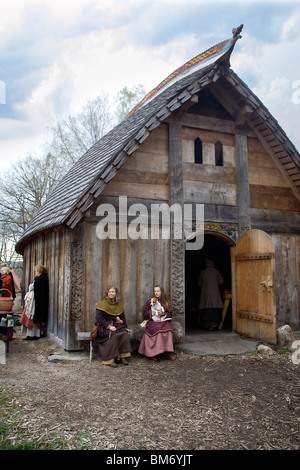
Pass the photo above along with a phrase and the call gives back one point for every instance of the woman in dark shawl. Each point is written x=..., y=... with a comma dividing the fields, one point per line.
x=158, y=335
x=113, y=338
x=35, y=315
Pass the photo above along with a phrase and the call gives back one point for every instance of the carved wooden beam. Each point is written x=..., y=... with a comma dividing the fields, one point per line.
x=186, y=106
x=242, y=115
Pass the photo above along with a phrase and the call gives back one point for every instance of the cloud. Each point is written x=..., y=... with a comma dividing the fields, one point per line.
x=270, y=69
x=56, y=55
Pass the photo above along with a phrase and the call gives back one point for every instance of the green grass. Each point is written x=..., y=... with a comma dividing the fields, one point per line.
x=13, y=436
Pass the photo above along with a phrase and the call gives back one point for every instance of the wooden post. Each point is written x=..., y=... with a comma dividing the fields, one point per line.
x=177, y=245
x=242, y=184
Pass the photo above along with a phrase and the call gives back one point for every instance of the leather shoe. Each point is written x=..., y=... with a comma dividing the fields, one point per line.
x=124, y=362
x=172, y=356
x=113, y=364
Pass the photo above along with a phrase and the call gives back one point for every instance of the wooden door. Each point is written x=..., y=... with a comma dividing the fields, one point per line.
x=255, y=304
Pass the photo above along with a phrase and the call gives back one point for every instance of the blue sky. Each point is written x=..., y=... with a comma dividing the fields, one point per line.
x=55, y=55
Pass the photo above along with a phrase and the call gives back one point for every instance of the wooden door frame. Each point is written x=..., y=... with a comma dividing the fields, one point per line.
x=229, y=241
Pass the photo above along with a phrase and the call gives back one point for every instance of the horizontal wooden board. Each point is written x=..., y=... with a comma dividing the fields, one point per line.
x=260, y=160
x=207, y=136
x=143, y=161
x=266, y=177
x=269, y=197
x=157, y=142
x=137, y=190
x=254, y=145
x=144, y=177
x=209, y=193
x=208, y=173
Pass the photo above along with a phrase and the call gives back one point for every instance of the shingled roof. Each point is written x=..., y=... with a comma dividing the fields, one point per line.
x=84, y=182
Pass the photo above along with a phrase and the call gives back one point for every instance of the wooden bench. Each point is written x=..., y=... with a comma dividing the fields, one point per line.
x=86, y=336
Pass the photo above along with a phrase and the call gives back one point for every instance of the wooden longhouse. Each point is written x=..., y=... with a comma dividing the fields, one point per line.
x=201, y=137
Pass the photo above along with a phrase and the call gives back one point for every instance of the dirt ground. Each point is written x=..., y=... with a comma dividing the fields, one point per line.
x=193, y=403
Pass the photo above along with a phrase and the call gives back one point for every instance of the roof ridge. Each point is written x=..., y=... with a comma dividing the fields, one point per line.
x=191, y=65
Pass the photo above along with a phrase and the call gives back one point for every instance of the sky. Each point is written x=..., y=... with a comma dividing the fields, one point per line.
x=57, y=54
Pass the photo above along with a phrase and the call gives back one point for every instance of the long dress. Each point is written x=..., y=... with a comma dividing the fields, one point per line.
x=112, y=344
x=211, y=303
x=158, y=336
x=35, y=313
x=27, y=326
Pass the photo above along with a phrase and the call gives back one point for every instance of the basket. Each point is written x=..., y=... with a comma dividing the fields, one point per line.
x=6, y=303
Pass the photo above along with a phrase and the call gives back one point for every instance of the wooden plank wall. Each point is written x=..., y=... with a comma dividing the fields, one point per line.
x=49, y=250
x=134, y=266
x=145, y=174
x=287, y=278
x=137, y=265
x=268, y=188
x=207, y=183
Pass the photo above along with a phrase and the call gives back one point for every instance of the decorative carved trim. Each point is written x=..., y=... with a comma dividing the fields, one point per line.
x=67, y=281
x=76, y=281
x=177, y=276
x=229, y=230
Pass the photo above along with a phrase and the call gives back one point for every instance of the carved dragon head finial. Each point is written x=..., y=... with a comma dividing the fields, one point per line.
x=236, y=33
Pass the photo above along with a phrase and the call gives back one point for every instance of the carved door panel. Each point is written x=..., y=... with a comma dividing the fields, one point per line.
x=255, y=286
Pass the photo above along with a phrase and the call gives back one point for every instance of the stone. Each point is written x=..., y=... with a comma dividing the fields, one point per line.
x=295, y=345
x=262, y=349
x=296, y=357
x=2, y=352
x=68, y=357
x=177, y=332
x=285, y=337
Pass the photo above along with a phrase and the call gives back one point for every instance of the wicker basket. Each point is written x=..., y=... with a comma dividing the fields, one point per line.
x=6, y=303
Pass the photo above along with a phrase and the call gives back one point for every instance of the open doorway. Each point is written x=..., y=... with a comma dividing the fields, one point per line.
x=218, y=250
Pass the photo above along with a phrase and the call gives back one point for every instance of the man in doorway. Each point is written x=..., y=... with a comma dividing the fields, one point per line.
x=211, y=303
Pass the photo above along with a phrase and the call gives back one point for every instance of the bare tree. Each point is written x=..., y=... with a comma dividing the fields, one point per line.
x=25, y=186
x=71, y=137
x=23, y=189
x=74, y=135
x=127, y=99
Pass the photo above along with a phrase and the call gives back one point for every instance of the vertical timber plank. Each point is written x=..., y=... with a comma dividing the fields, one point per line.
x=176, y=197
x=242, y=184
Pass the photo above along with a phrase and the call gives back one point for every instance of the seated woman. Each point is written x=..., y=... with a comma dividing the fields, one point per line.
x=158, y=336
x=113, y=338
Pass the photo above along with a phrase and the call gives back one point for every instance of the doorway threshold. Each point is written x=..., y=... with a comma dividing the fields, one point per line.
x=216, y=343
x=194, y=335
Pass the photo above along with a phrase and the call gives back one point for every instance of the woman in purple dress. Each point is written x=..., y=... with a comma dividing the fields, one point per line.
x=158, y=336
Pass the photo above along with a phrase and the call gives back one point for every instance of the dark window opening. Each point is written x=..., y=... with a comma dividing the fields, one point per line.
x=219, y=153
x=198, y=150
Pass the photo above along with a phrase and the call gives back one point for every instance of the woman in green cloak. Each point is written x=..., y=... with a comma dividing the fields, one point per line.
x=113, y=337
